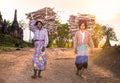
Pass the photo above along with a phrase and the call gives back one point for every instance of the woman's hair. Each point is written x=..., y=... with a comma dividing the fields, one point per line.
x=38, y=22
x=81, y=22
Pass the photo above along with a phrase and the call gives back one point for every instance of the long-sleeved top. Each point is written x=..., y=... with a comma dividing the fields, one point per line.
x=41, y=34
x=86, y=40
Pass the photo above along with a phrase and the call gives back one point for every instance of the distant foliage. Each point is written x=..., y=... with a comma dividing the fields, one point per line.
x=103, y=31
x=110, y=35
x=8, y=41
x=60, y=38
x=97, y=35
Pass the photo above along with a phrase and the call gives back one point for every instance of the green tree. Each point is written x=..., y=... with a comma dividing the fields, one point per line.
x=62, y=34
x=97, y=34
x=52, y=37
x=110, y=35
x=8, y=23
x=22, y=24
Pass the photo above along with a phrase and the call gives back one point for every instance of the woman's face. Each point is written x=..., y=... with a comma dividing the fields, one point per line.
x=39, y=25
x=82, y=26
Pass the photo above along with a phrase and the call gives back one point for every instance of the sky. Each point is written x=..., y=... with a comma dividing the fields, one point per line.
x=106, y=11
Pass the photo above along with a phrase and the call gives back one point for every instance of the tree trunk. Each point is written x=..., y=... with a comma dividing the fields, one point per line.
x=107, y=43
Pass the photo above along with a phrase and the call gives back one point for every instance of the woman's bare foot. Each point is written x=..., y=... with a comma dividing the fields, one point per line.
x=34, y=76
x=39, y=76
x=83, y=77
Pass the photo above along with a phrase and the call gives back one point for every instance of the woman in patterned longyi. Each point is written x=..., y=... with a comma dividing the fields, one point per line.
x=81, y=41
x=40, y=41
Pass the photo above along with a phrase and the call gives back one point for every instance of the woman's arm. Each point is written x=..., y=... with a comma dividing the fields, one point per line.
x=75, y=42
x=32, y=25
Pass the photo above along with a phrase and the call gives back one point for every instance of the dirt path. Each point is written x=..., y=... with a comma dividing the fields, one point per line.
x=16, y=67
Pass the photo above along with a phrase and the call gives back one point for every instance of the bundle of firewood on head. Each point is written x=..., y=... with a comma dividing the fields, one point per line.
x=34, y=17
x=46, y=15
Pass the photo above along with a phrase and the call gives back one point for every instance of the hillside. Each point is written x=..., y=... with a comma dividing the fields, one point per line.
x=110, y=59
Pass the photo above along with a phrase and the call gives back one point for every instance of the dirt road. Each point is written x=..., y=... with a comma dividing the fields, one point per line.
x=16, y=67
